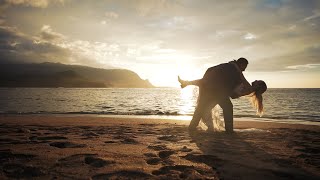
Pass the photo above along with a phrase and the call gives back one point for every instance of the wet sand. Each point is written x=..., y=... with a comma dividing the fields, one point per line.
x=87, y=147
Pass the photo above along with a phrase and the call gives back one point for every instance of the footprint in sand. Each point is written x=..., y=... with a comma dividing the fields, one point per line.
x=12, y=141
x=46, y=138
x=110, y=142
x=14, y=170
x=23, y=130
x=172, y=138
x=153, y=161
x=66, y=144
x=89, y=159
x=7, y=154
x=210, y=160
x=159, y=147
x=146, y=129
x=184, y=172
x=185, y=149
x=150, y=155
x=129, y=141
x=124, y=174
x=12, y=165
x=163, y=157
x=97, y=162
x=89, y=135
x=165, y=154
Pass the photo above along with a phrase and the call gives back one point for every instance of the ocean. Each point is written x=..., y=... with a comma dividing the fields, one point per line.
x=294, y=105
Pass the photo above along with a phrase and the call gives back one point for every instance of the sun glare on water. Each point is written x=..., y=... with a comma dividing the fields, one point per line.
x=188, y=100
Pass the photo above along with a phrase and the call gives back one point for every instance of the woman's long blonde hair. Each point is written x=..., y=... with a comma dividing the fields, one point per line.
x=257, y=103
x=257, y=99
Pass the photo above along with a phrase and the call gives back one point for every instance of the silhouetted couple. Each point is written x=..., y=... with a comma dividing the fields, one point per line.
x=218, y=84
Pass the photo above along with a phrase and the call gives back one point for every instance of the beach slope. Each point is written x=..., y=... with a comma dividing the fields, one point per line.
x=84, y=147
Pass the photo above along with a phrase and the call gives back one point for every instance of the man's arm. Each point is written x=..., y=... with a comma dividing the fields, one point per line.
x=246, y=85
x=244, y=88
x=241, y=90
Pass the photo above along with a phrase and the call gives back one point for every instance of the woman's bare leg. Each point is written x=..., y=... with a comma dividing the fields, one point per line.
x=207, y=119
x=207, y=116
x=184, y=83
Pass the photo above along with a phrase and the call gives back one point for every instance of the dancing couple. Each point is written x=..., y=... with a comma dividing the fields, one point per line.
x=218, y=84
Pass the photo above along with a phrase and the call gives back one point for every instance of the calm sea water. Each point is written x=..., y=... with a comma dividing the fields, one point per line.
x=280, y=104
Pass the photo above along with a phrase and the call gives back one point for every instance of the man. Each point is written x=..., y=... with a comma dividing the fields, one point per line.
x=216, y=87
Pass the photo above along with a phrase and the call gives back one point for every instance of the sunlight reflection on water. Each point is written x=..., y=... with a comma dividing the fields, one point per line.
x=188, y=97
x=280, y=104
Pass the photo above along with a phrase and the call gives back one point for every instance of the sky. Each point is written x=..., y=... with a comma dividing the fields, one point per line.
x=161, y=39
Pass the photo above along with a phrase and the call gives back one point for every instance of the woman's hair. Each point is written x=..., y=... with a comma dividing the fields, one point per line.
x=256, y=97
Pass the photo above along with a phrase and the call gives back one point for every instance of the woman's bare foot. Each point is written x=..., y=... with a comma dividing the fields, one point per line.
x=182, y=82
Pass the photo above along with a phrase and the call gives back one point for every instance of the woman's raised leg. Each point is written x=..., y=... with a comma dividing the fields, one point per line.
x=184, y=83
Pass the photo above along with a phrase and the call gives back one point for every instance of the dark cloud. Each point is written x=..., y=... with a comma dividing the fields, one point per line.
x=18, y=47
x=309, y=55
x=33, y=3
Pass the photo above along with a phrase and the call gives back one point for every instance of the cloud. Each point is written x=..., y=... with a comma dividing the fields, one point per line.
x=95, y=53
x=153, y=7
x=51, y=46
x=316, y=14
x=174, y=23
x=111, y=15
x=33, y=3
x=48, y=34
x=249, y=36
x=16, y=46
x=7, y=32
x=307, y=58
x=304, y=66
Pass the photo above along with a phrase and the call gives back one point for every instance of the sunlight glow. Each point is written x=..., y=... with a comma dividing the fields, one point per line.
x=173, y=64
x=168, y=75
x=188, y=100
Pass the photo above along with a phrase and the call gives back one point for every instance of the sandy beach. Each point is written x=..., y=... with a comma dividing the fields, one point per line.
x=88, y=147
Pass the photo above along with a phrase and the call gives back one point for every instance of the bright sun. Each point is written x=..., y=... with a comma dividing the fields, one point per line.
x=173, y=65
x=168, y=76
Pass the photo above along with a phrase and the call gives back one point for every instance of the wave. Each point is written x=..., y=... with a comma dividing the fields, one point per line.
x=146, y=112
x=312, y=118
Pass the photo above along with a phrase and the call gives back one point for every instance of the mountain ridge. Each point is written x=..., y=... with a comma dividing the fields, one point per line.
x=49, y=74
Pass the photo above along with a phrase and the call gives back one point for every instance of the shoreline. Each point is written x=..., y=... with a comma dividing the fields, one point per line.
x=84, y=147
x=96, y=120
x=164, y=117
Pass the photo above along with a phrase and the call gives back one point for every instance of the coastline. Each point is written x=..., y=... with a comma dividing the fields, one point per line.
x=162, y=117
x=84, y=146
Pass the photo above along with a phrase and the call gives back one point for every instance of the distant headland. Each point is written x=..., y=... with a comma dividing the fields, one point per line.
x=68, y=76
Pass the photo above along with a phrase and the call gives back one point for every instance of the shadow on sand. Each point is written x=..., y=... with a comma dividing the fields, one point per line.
x=233, y=156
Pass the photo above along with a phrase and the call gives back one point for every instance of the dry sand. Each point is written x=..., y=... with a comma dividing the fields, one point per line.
x=86, y=147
